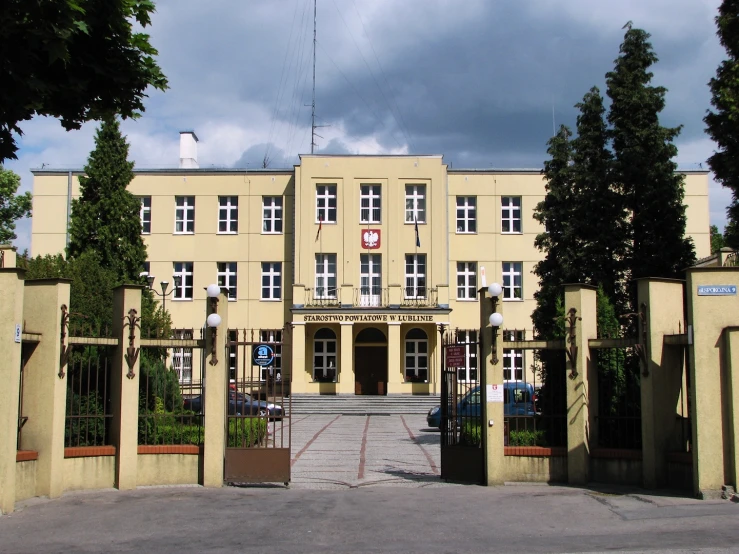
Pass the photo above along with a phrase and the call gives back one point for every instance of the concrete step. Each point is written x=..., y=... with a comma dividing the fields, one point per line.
x=362, y=405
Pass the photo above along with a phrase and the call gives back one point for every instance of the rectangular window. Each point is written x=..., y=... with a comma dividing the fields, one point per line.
x=227, y=278
x=228, y=214
x=271, y=280
x=273, y=337
x=145, y=215
x=415, y=203
x=145, y=270
x=415, y=275
x=325, y=276
x=512, y=281
x=183, y=270
x=370, y=279
x=513, y=358
x=184, y=214
x=326, y=203
x=233, y=338
x=469, y=371
x=272, y=214
x=466, y=214
x=369, y=204
x=182, y=357
x=466, y=280
x=511, y=214
x=416, y=359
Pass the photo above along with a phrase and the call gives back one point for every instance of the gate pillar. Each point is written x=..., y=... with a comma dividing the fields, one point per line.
x=394, y=366
x=582, y=382
x=45, y=390
x=11, y=314
x=660, y=313
x=215, y=377
x=491, y=373
x=346, y=374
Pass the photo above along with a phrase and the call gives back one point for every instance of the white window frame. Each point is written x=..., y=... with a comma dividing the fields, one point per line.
x=329, y=355
x=513, y=281
x=272, y=215
x=370, y=280
x=227, y=278
x=469, y=339
x=145, y=215
x=513, y=364
x=182, y=358
x=415, y=280
x=466, y=215
x=467, y=274
x=413, y=351
x=511, y=215
x=326, y=203
x=184, y=215
x=415, y=204
x=325, y=279
x=272, y=272
x=370, y=203
x=272, y=337
x=185, y=271
x=228, y=215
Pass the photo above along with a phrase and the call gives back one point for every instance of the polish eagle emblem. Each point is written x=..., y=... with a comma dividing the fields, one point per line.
x=371, y=239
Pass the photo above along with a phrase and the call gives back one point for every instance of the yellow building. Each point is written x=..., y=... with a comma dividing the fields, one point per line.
x=366, y=258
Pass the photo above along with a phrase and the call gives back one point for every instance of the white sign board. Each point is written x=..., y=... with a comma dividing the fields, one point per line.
x=494, y=393
x=17, y=332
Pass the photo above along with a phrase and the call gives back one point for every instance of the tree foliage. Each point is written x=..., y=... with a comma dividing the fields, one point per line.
x=643, y=169
x=77, y=60
x=722, y=123
x=12, y=206
x=105, y=218
x=717, y=239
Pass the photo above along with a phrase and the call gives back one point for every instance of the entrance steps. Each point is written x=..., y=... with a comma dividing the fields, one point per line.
x=350, y=404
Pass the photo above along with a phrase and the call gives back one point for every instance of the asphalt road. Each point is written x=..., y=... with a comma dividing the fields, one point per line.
x=379, y=493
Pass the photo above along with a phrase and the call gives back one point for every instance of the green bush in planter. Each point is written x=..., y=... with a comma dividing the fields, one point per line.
x=527, y=438
x=245, y=431
x=471, y=434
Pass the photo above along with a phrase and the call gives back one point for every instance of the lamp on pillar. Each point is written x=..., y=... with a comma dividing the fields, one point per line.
x=214, y=320
x=496, y=319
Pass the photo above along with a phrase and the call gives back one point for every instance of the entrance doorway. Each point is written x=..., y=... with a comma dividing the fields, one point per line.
x=370, y=362
x=370, y=370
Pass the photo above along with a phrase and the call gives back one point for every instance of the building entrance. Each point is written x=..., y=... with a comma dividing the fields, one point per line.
x=370, y=370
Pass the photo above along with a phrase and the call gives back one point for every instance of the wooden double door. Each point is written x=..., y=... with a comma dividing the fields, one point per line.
x=370, y=370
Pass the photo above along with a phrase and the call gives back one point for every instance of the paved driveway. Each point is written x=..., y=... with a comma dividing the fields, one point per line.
x=344, y=451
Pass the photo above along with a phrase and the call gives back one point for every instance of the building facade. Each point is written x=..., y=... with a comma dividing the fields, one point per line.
x=355, y=262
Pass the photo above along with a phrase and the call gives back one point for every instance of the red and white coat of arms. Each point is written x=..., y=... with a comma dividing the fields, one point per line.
x=371, y=239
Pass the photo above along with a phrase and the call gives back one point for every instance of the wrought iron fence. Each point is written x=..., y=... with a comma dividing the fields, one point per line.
x=323, y=297
x=419, y=297
x=26, y=351
x=88, y=404
x=619, y=399
x=171, y=399
x=371, y=297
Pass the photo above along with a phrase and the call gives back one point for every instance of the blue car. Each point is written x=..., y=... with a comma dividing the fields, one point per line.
x=518, y=400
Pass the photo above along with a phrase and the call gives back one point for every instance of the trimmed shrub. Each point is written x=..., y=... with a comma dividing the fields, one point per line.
x=527, y=438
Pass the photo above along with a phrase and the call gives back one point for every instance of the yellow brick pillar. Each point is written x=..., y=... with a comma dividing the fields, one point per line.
x=491, y=384
x=394, y=364
x=45, y=392
x=215, y=377
x=11, y=315
x=582, y=380
x=346, y=369
x=661, y=366
x=124, y=383
x=297, y=369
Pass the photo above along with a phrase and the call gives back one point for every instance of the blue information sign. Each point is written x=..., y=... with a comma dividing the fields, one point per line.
x=717, y=290
x=263, y=355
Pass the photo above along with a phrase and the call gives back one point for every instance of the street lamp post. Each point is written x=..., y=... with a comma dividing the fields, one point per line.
x=164, y=284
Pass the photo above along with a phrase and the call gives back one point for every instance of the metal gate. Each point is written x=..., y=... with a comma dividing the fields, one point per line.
x=462, y=454
x=258, y=409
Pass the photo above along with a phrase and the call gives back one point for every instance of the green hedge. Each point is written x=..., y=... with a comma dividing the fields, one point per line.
x=245, y=431
x=527, y=438
x=471, y=434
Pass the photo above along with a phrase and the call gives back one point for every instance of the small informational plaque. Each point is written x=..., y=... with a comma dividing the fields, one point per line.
x=717, y=290
x=494, y=393
x=17, y=332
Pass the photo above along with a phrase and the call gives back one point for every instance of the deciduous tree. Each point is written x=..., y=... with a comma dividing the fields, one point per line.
x=12, y=206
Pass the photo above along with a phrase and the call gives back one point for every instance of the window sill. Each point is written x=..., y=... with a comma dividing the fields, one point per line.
x=415, y=382
x=511, y=232
x=227, y=233
x=326, y=222
x=272, y=233
x=270, y=299
x=181, y=300
x=513, y=299
x=466, y=232
x=414, y=222
x=466, y=299
x=184, y=233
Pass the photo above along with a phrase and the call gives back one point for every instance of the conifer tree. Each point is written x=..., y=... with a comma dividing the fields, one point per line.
x=559, y=239
x=105, y=219
x=722, y=123
x=643, y=167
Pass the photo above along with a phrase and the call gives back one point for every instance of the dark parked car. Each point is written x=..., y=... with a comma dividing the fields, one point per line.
x=239, y=404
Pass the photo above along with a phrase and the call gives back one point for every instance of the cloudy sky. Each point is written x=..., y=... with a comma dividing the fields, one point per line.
x=481, y=81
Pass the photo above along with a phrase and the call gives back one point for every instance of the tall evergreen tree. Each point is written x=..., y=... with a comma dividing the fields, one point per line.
x=722, y=124
x=601, y=216
x=643, y=169
x=105, y=218
x=559, y=239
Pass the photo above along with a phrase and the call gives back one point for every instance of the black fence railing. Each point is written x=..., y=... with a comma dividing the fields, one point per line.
x=619, y=399
x=371, y=297
x=88, y=403
x=323, y=297
x=419, y=297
